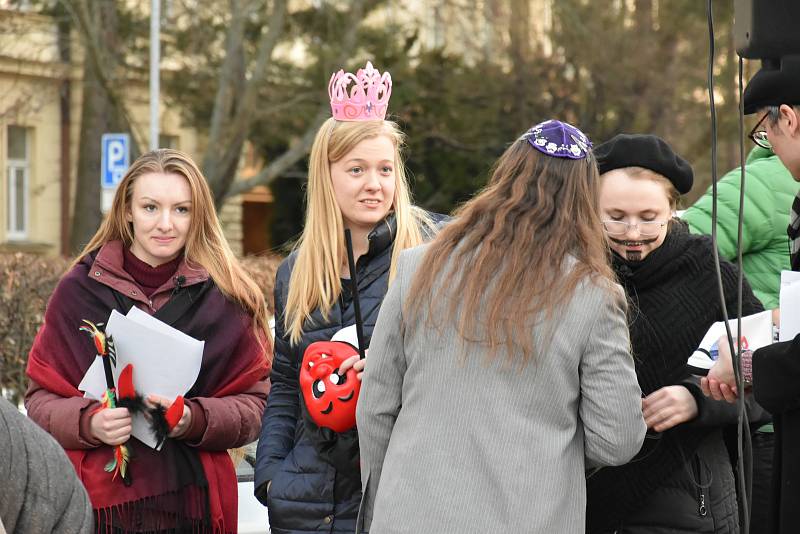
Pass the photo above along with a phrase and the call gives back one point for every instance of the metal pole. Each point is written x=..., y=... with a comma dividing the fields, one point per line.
x=155, y=60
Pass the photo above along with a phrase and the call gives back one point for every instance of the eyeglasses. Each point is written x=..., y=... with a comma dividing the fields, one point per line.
x=646, y=228
x=759, y=137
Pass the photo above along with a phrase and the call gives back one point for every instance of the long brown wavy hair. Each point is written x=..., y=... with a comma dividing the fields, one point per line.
x=206, y=245
x=515, y=252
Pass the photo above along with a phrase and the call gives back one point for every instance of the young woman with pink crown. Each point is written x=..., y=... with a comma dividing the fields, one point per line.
x=307, y=469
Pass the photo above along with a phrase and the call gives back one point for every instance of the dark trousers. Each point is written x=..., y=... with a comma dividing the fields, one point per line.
x=762, y=482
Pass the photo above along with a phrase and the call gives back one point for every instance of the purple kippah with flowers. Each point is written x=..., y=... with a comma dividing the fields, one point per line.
x=559, y=139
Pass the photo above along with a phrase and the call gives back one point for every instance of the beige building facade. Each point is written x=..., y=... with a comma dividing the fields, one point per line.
x=31, y=78
x=40, y=110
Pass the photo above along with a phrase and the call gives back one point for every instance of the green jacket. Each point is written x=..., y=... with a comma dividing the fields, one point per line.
x=769, y=191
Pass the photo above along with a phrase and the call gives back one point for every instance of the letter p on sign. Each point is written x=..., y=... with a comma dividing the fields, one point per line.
x=114, y=161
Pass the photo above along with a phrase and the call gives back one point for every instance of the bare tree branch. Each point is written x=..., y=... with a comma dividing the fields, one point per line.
x=300, y=149
x=95, y=53
x=285, y=161
x=221, y=169
x=277, y=109
x=226, y=94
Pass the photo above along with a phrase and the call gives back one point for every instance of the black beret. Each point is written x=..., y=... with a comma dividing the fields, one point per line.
x=648, y=151
x=774, y=84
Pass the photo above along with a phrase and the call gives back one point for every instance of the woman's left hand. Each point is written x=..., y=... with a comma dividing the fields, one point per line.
x=668, y=407
x=185, y=421
x=356, y=363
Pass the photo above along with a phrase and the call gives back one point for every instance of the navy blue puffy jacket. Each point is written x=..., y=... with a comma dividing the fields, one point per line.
x=307, y=493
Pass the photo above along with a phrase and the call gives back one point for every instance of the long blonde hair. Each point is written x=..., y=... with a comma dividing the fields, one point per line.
x=206, y=245
x=517, y=237
x=315, y=282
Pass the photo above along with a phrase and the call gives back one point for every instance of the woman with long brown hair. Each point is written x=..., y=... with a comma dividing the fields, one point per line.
x=500, y=358
x=161, y=249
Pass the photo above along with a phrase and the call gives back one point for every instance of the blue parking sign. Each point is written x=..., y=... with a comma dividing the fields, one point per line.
x=114, y=159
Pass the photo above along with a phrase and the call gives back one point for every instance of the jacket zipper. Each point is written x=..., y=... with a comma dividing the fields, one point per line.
x=701, y=497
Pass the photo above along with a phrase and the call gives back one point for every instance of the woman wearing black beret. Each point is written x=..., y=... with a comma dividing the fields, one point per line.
x=682, y=480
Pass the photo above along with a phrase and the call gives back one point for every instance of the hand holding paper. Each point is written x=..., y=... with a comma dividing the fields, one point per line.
x=111, y=426
x=720, y=384
x=165, y=361
x=756, y=333
x=180, y=422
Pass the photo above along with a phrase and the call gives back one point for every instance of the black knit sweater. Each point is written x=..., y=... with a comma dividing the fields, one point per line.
x=673, y=300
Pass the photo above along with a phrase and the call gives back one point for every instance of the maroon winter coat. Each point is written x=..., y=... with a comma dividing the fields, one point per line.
x=230, y=393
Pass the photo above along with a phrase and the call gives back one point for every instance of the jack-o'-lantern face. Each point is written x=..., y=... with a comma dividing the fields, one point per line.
x=330, y=397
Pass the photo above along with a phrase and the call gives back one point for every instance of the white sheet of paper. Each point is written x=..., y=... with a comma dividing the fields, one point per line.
x=756, y=329
x=166, y=362
x=789, y=305
x=347, y=334
x=145, y=319
x=789, y=277
x=94, y=381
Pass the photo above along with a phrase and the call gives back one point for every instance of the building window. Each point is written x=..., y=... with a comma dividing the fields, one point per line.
x=18, y=176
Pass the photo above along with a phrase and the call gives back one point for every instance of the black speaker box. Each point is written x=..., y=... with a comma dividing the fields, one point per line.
x=766, y=28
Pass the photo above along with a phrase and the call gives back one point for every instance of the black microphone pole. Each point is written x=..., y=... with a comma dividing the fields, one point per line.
x=354, y=288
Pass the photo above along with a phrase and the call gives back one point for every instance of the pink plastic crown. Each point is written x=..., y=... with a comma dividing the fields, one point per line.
x=365, y=100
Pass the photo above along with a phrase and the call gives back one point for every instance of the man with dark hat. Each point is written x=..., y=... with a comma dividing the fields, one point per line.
x=775, y=92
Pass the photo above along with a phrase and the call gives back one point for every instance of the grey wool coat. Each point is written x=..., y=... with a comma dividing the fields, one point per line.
x=39, y=489
x=453, y=443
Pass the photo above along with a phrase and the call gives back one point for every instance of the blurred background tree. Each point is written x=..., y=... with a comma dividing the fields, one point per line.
x=608, y=67
x=469, y=78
